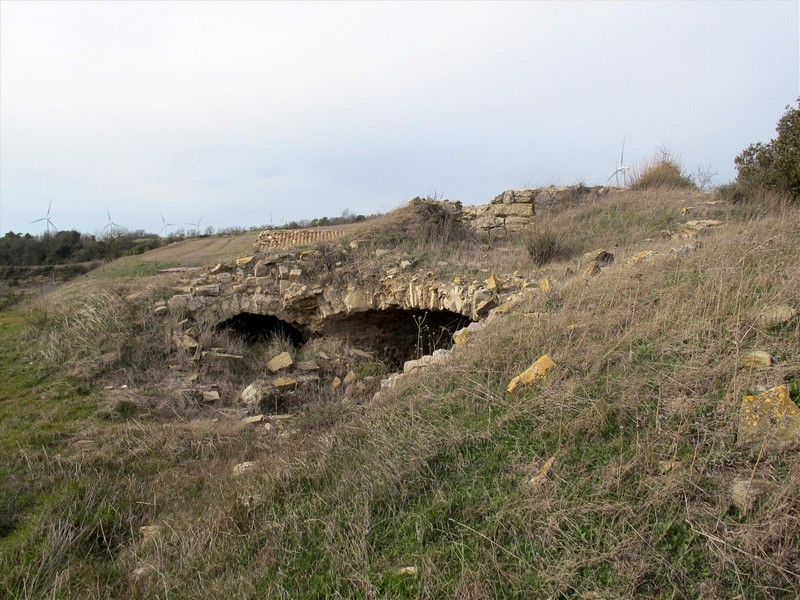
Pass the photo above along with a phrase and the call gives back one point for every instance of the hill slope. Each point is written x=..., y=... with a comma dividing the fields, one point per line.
x=611, y=477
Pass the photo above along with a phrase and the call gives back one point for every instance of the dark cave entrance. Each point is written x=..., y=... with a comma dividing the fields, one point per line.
x=253, y=328
x=395, y=336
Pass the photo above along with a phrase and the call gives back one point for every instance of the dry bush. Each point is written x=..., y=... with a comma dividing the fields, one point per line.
x=421, y=221
x=662, y=171
x=544, y=245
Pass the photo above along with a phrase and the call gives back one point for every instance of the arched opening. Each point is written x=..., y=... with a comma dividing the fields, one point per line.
x=396, y=336
x=253, y=328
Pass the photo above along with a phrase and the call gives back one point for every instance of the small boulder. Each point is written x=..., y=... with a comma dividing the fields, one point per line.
x=773, y=316
x=280, y=362
x=769, y=420
x=538, y=480
x=756, y=360
x=243, y=468
x=284, y=384
x=537, y=371
x=307, y=366
x=746, y=493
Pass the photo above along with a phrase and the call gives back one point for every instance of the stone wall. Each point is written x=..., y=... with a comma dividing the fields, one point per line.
x=515, y=210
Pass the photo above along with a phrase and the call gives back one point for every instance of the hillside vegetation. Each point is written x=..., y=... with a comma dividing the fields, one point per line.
x=609, y=478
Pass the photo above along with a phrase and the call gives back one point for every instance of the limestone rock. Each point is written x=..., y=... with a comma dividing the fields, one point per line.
x=669, y=466
x=770, y=419
x=483, y=301
x=150, y=532
x=382, y=252
x=307, y=365
x=244, y=260
x=336, y=383
x=160, y=311
x=206, y=290
x=284, y=384
x=537, y=371
x=643, y=256
x=255, y=395
x=405, y=265
x=492, y=283
x=252, y=420
x=350, y=378
x=280, y=362
x=243, y=468
x=462, y=336
x=756, y=360
x=538, y=480
x=295, y=273
x=746, y=493
x=772, y=316
x=692, y=229
x=210, y=396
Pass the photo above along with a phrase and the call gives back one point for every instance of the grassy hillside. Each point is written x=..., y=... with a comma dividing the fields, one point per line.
x=610, y=478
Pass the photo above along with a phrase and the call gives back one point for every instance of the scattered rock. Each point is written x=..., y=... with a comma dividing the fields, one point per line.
x=756, y=360
x=382, y=252
x=280, y=362
x=350, y=378
x=295, y=273
x=692, y=229
x=244, y=260
x=407, y=571
x=160, y=311
x=669, y=466
x=483, y=301
x=254, y=396
x=769, y=420
x=242, y=468
x=746, y=493
x=206, y=290
x=307, y=255
x=249, y=501
x=150, y=532
x=545, y=285
x=405, y=265
x=211, y=396
x=336, y=383
x=595, y=261
x=535, y=372
x=284, y=384
x=492, y=283
x=462, y=336
x=772, y=316
x=323, y=355
x=643, y=256
x=252, y=420
x=307, y=365
x=538, y=480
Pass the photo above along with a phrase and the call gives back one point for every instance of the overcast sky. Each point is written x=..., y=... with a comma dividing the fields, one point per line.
x=246, y=112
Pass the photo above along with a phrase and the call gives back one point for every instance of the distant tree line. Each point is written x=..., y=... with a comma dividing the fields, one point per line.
x=65, y=247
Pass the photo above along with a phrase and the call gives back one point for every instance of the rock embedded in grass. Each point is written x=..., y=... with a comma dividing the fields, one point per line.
x=280, y=362
x=769, y=420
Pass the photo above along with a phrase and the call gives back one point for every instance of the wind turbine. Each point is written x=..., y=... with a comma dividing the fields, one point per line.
x=621, y=168
x=111, y=225
x=197, y=225
x=46, y=219
x=166, y=225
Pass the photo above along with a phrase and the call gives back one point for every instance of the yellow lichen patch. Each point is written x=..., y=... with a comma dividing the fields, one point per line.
x=535, y=372
x=771, y=419
x=641, y=256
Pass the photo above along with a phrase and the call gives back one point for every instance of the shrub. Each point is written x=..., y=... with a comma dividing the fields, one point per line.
x=663, y=171
x=543, y=246
x=775, y=165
